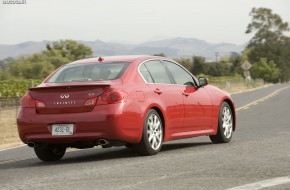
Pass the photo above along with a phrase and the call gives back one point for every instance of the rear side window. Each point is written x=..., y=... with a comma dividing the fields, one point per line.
x=89, y=72
x=157, y=72
x=179, y=74
x=145, y=73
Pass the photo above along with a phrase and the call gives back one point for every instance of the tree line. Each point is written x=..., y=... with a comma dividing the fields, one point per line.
x=40, y=65
x=267, y=51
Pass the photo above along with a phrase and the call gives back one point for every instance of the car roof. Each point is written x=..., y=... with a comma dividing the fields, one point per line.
x=122, y=58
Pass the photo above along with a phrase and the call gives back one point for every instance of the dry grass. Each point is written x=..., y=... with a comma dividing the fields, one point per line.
x=8, y=129
x=238, y=86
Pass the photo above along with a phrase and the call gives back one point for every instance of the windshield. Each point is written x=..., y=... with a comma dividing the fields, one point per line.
x=89, y=72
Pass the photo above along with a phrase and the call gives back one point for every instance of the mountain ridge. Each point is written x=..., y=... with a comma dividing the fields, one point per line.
x=173, y=47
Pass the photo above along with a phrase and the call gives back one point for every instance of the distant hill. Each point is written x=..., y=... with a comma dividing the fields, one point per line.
x=174, y=47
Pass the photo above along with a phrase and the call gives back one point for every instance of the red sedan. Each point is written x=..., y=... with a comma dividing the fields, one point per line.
x=133, y=101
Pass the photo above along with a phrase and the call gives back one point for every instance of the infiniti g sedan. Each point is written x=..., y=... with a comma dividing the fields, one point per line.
x=133, y=101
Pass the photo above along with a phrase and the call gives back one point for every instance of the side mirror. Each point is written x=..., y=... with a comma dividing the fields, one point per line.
x=202, y=81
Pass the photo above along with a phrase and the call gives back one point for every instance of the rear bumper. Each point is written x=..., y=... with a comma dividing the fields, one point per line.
x=110, y=122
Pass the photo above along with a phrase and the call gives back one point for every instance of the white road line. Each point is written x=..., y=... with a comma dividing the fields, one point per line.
x=12, y=147
x=263, y=184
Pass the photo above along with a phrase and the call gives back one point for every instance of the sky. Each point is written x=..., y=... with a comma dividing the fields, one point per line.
x=131, y=21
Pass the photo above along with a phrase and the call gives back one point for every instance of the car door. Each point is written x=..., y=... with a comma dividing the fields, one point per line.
x=164, y=93
x=197, y=102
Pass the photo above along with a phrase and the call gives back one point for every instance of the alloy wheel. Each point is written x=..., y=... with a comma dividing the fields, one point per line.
x=154, y=131
x=227, y=122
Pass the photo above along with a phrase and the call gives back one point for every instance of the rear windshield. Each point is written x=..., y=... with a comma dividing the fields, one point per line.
x=89, y=72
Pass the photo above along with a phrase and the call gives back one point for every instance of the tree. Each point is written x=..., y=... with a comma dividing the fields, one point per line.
x=4, y=75
x=265, y=69
x=36, y=66
x=40, y=65
x=160, y=54
x=198, y=65
x=223, y=68
x=269, y=41
x=55, y=57
x=269, y=27
x=185, y=62
x=64, y=51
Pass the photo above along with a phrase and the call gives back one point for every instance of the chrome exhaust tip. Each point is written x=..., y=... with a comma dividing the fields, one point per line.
x=103, y=142
x=31, y=144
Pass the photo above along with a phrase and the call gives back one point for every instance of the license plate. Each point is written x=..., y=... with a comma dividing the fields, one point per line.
x=62, y=129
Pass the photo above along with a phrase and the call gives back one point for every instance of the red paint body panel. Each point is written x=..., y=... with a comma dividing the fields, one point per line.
x=105, y=121
x=186, y=111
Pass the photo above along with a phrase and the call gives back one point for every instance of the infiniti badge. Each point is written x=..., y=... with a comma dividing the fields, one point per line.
x=64, y=96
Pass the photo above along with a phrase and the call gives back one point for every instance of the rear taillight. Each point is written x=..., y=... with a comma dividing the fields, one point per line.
x=27, y=101
x=112, y=96
x=39, y=104
x=91, y=102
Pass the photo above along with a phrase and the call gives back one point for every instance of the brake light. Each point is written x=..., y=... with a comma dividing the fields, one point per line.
x=100, y=59
x=112, y=96
x=39, y=104
x=91, y=102
x=27, y=101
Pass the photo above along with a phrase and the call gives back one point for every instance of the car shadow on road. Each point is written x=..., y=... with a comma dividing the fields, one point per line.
x=99, y=154
x=177, y=146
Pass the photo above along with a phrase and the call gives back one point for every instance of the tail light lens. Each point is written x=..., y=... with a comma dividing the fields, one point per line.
x=91, y=102
x=27, y=101
x=40, y=104
x=112, y=96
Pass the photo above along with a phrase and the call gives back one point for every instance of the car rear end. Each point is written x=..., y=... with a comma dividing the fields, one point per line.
x=80, y=105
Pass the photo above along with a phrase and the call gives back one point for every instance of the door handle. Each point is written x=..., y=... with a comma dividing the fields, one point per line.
x=157, y=91
x=185, y=93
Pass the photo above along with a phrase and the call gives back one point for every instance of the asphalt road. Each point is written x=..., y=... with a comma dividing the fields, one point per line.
x=259, y=150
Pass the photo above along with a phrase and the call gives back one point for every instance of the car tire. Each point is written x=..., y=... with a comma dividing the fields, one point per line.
x=152, y=135
x=225, y=125
x=49, y=153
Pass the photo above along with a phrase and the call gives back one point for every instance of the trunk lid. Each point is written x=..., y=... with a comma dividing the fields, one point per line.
x=66, y=98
